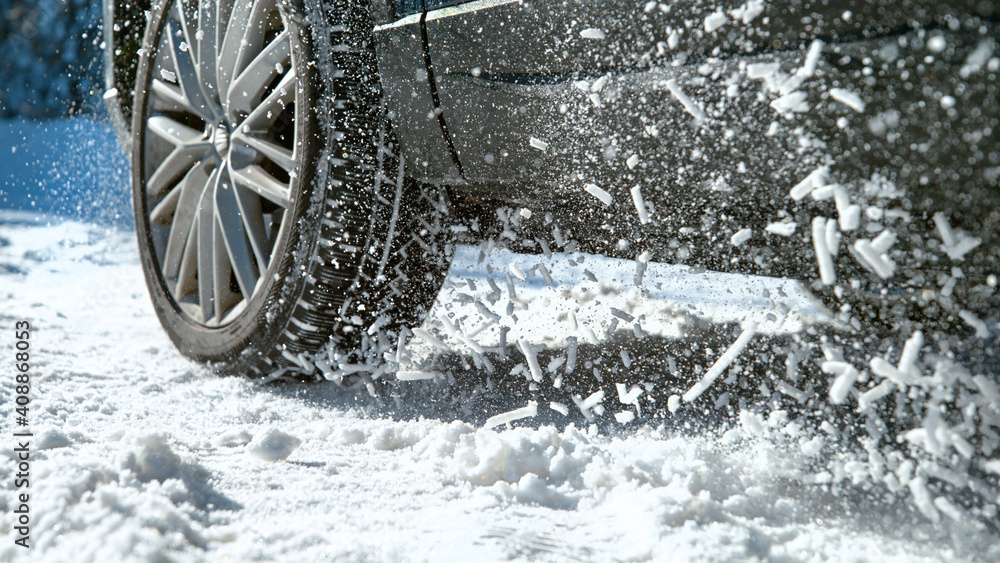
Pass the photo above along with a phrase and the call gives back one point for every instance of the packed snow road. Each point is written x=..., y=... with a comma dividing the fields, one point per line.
x=138, y=454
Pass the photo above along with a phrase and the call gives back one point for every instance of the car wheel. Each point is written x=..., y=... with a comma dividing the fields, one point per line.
x=272, y=210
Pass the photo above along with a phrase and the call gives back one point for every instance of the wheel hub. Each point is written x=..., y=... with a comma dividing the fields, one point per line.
x=218, y=135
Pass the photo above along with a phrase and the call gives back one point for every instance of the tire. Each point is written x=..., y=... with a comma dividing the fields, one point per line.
x=272, y=211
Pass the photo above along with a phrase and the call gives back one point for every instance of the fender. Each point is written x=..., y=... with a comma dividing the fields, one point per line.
x=410, y=92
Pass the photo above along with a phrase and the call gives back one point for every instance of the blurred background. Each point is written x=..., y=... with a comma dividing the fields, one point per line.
x=58, y=152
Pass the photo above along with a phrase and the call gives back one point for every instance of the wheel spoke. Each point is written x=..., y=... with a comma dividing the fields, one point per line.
x=187, y=270
x=174, y=167
x=229, y=49
x=231, y=220
x=187, y=75
x=253, y=222
x=163, y=212
x=276, y=153
x=273, y=105
x=167, y=97
x=247, y=88
x=206, y=254
x=222, y=297
x=256, y=179
x=207, y=42
x=191, y=189
x=175, y=133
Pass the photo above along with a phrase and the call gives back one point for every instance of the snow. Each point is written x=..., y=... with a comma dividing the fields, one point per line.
x=572, y=304
x=740, y=236
x=599, y=193
x=782, y=228
x=848, y=98
x=538, y=144
x=715, y=20
x=592, y=33
x=689, y=105
x=273, y=445
x=149, y=455
x=640, y=203
x=721, y=364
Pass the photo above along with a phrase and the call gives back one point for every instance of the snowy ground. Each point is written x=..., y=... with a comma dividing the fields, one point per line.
x=139, y=454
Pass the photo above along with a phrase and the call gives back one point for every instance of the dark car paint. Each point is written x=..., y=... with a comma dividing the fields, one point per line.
x=500, y=68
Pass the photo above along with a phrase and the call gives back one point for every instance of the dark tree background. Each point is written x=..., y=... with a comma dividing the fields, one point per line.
x=50, y=57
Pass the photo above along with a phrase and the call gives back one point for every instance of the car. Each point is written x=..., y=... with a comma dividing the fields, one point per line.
x=302, y=169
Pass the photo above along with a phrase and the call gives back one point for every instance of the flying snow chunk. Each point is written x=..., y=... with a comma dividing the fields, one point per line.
x=715, y=21
x=741, y=236
x=878, y=262
x=956, y=244
x=416, y=375
x=793, y=102
x=632, y=162
x=846, y=374
x=592, y=33
x=600, y=83
x=762, y=70
x=748, y=11
x=815, y=179
x=640, y=204
x=721, y=364
x=824, y=258
x=594, y=399
x=597, y=192
x=517, y=272
x=783, y=228
x=559, y=408
x=531, y=409
x=673, y=403
x=624, y=417
x=110, y=93
x=812, y=59
x=685, y=100
x=982, y=331
x=978, y=58
x=538, y=144
x=848, y=98
x=273, y=445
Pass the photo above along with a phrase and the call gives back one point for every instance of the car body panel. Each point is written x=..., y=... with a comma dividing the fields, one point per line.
x=503, y=67
x=411, y=101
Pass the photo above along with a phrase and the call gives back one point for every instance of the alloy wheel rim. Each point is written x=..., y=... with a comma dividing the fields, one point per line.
x=219, y=152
